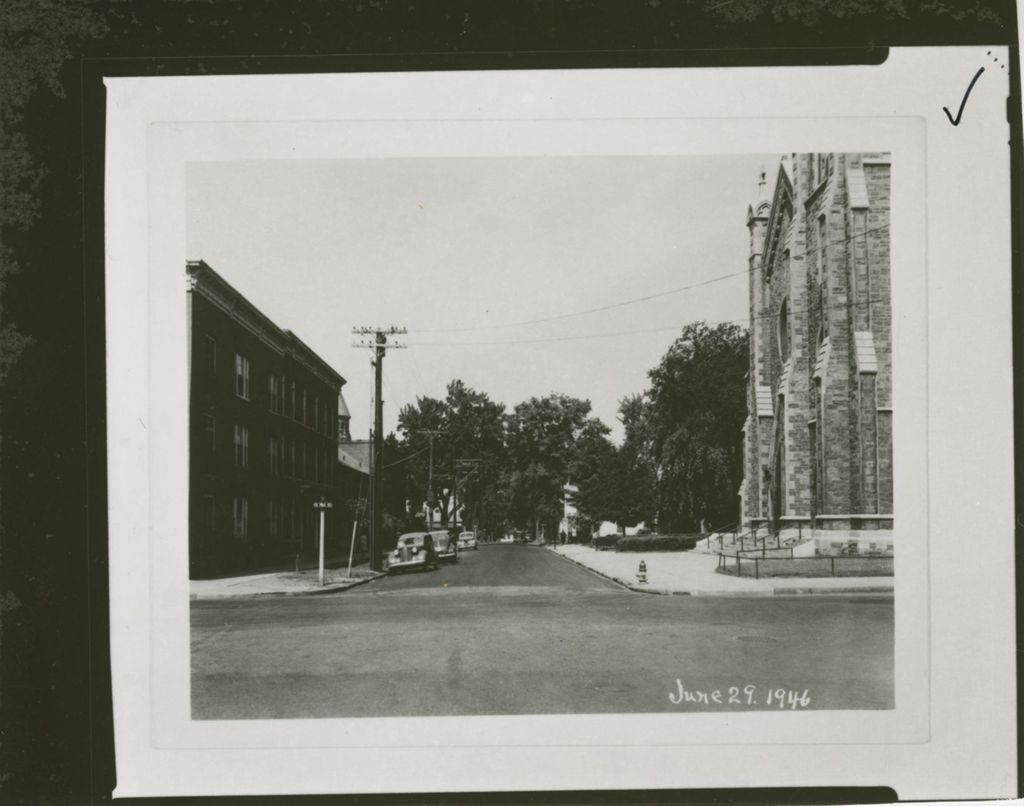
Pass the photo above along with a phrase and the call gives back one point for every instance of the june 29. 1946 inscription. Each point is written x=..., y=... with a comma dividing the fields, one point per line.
x=748, y=696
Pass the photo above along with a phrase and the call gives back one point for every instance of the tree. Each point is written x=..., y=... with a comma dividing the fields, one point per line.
x=421, y=428
x=543, y=436
x=476, y=442
x=689, y=423
x=396, y=488
x=616, y=483
x=467, y=424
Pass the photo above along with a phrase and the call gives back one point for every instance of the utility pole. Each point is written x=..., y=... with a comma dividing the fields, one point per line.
x=379, y=345
x=469, y=467
x=431, y=433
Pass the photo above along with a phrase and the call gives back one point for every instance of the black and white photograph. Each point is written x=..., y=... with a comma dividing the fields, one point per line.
x=548, y=403
x=488, y=428
x=500, y=436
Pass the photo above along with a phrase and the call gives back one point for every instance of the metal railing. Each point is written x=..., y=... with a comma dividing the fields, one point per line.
x=755, y=538
x=865, y=562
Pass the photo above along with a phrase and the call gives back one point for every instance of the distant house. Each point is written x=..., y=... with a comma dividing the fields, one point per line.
x=354, y=470
x=568, y=525
x=609, y=528
x=352, y=453
x=263, y=407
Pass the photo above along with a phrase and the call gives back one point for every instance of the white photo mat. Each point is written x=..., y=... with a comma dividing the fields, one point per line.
x=952, y=387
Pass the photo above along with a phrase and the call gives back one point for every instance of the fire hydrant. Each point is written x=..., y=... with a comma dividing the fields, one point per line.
x=641, y=573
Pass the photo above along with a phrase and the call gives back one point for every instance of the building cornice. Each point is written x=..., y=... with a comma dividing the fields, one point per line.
x=305, y=355
x=202, y=279
x=211, y=286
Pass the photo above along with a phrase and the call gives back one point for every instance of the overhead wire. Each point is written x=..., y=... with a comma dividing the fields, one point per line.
x=636, y=300
x=664, y=329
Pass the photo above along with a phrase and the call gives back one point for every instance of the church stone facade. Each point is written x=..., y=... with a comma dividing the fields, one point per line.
x=818, y=435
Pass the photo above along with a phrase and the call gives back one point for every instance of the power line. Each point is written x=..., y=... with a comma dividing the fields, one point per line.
x=635, y=300
x=665, y=329
x=405, y=458
x=546, y=340
x=598, y=309
x=453, y=435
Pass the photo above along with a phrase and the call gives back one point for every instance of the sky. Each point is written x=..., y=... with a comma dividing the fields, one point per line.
x=494, y=265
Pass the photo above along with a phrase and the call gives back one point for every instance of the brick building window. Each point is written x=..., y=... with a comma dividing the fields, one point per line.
x=241, y=445
x=822, y=248
x=783, y=331
x=291, y=408
x=291, y=466
x=210, y=432
x=210, y=354
x=275, y=394
x=241, y=376
x=316, y=414
x=274, y=449
x=304, y=420
x=241, y=517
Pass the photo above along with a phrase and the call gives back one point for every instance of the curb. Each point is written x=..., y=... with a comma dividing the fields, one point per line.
x=877, y=589
x=586, y=567
x=336, y=588
x=794, y=591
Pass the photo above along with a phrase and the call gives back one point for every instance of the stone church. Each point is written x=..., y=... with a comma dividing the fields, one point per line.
x=818, y=457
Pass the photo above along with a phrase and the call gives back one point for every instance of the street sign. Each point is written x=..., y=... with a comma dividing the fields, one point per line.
x=322, y=505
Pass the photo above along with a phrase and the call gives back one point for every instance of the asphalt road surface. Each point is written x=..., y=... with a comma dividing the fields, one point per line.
x=515, y=629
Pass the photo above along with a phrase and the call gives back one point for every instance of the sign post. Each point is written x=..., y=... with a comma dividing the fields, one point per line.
x=352, y=542
x=323, y=506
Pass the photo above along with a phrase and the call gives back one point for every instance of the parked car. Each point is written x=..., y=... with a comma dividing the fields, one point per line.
x=413, y=550
x=467, y=540
x=447, y=546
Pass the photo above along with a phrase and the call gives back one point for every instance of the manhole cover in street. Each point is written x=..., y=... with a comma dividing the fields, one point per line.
x=757, y=639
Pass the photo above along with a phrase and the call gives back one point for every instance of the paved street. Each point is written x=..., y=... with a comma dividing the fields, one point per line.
x=514, y=629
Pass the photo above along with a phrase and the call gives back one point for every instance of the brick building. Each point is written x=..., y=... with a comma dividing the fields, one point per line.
x=818, y=434
x=263, y=439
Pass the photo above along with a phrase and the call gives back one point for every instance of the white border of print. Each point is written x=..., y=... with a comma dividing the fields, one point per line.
x=944, y=494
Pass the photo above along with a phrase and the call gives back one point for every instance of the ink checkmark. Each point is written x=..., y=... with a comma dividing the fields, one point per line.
x=956, y=121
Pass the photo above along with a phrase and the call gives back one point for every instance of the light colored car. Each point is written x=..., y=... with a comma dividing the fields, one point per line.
x=508, y=539
x=414, y=550
x=467, y=540
x=446, y=545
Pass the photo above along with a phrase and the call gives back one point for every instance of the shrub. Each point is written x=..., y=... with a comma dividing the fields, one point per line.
x=605, y=541
x=657, y=543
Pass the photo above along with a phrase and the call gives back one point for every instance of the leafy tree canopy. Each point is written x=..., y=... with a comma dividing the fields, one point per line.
x=694, y=413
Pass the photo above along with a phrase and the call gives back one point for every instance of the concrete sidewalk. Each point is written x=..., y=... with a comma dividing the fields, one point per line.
x=690, y=573
x=282, y=583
